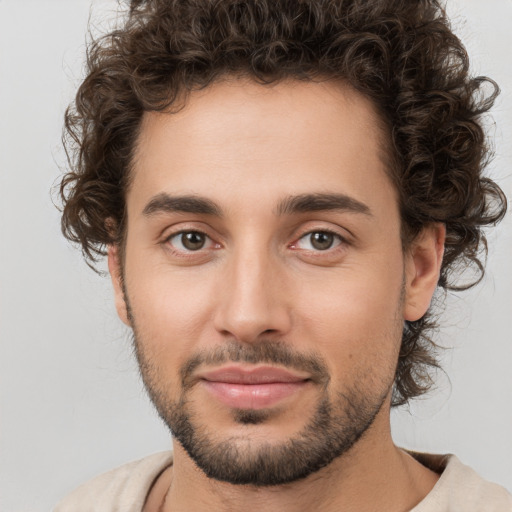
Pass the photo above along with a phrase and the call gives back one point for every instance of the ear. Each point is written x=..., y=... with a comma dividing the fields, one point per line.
x=422, y=267
x=114, y=267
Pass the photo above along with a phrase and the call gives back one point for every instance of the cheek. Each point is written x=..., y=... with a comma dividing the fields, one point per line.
x=356, y=321
x=171, y=311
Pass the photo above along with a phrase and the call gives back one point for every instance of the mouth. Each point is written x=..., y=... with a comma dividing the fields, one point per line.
x=252, y=387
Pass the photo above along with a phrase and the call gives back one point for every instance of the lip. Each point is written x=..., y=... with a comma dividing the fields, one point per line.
x=252, y=388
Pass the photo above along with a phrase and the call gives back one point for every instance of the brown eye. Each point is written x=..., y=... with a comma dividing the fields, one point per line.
x=321, y=240
x=318, y=241
x=188, y=240
x=193, y=240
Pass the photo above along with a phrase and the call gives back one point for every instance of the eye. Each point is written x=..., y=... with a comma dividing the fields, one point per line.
x=318, y=241
x=189, y=241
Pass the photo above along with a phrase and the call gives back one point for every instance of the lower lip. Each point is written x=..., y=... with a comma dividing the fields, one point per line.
x=252, y=396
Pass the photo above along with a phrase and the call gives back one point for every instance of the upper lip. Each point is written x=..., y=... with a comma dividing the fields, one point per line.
x=251, y=375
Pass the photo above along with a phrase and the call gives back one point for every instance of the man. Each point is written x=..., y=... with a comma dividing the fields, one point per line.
x=281, y=186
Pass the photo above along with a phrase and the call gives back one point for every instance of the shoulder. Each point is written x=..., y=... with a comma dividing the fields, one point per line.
x=461, y=488
x=124, y=488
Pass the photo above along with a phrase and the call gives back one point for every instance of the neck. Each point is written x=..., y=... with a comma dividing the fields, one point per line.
x=373, y=475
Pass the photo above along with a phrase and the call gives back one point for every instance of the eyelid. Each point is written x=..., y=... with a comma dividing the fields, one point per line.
x=186, y=227
x=343, y=240
x=213, y=243
x=180, y=229
x=182, y=232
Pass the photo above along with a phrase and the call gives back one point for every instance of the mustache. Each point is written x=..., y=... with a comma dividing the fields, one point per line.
x=264, y=351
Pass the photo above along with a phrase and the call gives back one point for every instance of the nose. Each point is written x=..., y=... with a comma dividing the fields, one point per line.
x=252, y=302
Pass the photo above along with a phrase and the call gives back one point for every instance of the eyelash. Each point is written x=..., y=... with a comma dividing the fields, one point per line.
x=342, y=242
x=185, y=251
x=188, y=253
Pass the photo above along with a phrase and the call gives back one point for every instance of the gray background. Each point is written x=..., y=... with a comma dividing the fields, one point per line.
x=71, y=403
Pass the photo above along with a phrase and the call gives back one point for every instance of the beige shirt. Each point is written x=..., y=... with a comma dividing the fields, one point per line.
x=459, y=489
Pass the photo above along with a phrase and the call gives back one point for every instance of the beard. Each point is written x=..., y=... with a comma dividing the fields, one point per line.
x=335, y=426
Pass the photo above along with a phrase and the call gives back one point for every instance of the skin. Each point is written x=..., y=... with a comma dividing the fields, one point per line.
x=248, y=147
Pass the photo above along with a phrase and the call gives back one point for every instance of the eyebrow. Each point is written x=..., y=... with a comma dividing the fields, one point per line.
x=303, y=203
x=321, y=202
x=164, y=203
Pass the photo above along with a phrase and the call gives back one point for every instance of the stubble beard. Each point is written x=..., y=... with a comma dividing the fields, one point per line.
x=327, y=435
x=336, y=425
x=333, y=429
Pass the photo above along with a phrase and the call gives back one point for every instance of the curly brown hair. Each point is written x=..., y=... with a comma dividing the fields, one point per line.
x=400, y=53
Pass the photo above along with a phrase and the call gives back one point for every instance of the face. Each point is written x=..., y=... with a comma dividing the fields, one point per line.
x=264, y=276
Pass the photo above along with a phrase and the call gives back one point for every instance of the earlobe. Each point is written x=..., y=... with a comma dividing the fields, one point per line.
x=114, y=267
x=422, y=268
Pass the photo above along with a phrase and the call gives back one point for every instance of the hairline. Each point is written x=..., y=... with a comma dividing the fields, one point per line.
x=387, y=154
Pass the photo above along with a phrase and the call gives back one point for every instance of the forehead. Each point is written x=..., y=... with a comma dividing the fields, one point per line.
x=241, y=137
